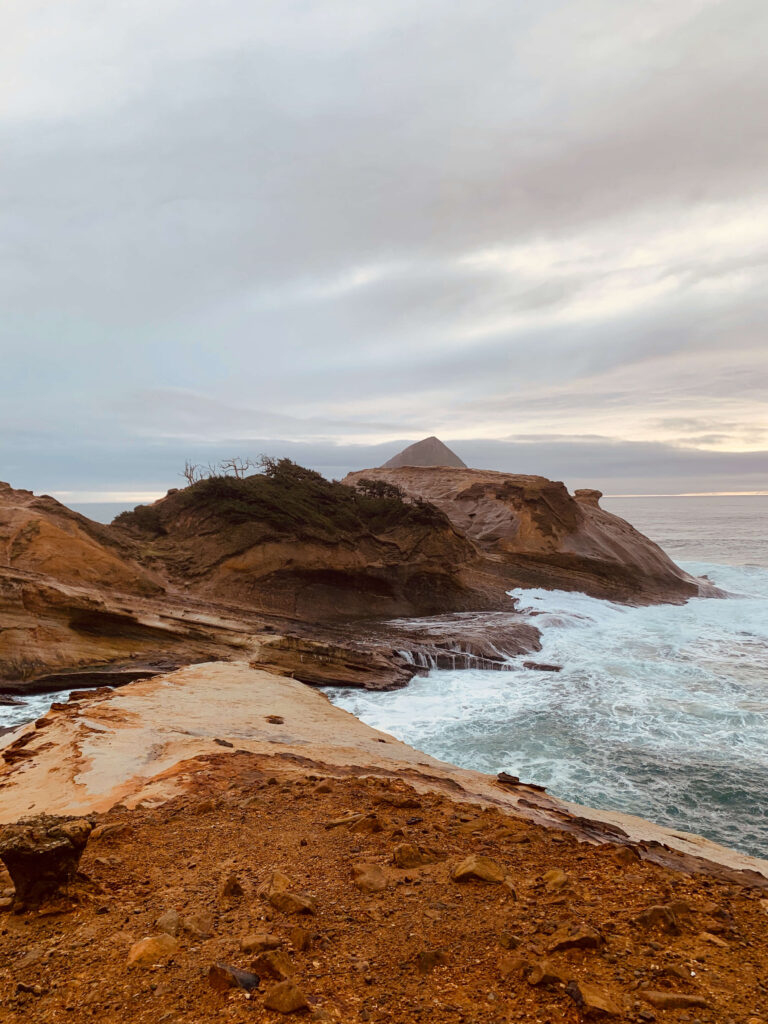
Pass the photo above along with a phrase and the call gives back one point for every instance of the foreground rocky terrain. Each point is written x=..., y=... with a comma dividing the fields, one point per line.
x=241, y=823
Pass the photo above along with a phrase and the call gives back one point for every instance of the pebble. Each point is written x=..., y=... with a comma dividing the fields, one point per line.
x=222, y=977
x=672, y=1000
x=260, y=942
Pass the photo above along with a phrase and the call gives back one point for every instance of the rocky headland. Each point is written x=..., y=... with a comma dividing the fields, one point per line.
x=308, y=574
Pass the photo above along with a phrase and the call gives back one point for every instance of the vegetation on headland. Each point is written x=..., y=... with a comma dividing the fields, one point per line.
x=287, y=498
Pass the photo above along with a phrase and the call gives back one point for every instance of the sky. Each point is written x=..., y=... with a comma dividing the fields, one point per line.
x=328, y=229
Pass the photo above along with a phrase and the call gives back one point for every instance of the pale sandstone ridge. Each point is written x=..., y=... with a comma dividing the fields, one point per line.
x=429, y=452
x=150, y=741
x=533, y=533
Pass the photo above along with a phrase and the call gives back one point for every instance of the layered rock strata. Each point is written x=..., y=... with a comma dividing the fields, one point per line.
x=533, y=533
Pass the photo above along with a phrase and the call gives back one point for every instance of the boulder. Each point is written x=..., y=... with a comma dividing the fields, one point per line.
x=42, y=854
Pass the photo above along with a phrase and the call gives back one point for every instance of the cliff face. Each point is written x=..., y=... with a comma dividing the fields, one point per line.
x=294, y=544
x=535, y=534
x=40, y=535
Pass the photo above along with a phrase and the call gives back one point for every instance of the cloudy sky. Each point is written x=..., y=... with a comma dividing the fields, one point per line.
x=538, y=230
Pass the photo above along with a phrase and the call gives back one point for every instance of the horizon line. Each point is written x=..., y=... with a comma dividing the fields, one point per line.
x=142, y=497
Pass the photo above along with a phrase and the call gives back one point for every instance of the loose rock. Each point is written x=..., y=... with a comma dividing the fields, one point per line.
x=292, y=903
x=546, y=973
x=260, y=942
x=555, y=879
x=578, y=936
x=301, y=939
x=199, y=925
x=151, y=950
x=369, y=878
x=222, y=977
x=285, y=997
x=592, y=1001
x=273, y=964
x=169, y=922
x=431, y=958
x=478, y=867
x=672, y=1000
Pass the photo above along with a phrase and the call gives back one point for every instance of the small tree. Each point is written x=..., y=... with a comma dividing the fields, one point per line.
x=192, y=473
x=237, y=466
x=380, y=489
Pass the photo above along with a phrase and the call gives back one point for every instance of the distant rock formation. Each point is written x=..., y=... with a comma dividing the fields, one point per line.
x=429, y=452
x=535, y=534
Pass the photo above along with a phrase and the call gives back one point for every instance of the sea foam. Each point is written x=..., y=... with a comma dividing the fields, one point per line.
x=659, y=711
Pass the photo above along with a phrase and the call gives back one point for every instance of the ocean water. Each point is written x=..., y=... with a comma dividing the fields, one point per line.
x=660, y=712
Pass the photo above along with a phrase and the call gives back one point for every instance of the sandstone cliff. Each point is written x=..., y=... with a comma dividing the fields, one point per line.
x=535, y=534
x=292, y=543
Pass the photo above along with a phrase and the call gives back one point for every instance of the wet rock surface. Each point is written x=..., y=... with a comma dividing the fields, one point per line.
x=423, y=948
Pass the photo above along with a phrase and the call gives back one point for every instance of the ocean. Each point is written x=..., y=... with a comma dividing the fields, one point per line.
x=660, y=712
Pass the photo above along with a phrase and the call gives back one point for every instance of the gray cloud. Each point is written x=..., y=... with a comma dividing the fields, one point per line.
x=245, y=221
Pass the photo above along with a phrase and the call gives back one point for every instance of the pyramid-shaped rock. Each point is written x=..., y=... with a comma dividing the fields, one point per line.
x=429, y=452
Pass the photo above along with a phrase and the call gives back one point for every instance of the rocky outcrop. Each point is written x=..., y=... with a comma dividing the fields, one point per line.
x=54, y=636
x=386, y=655
x=42, y=854
x=535, y=534
x=40, y=535
x=296, y=545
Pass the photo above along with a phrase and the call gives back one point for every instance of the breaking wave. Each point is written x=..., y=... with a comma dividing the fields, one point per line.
x=660, y=711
